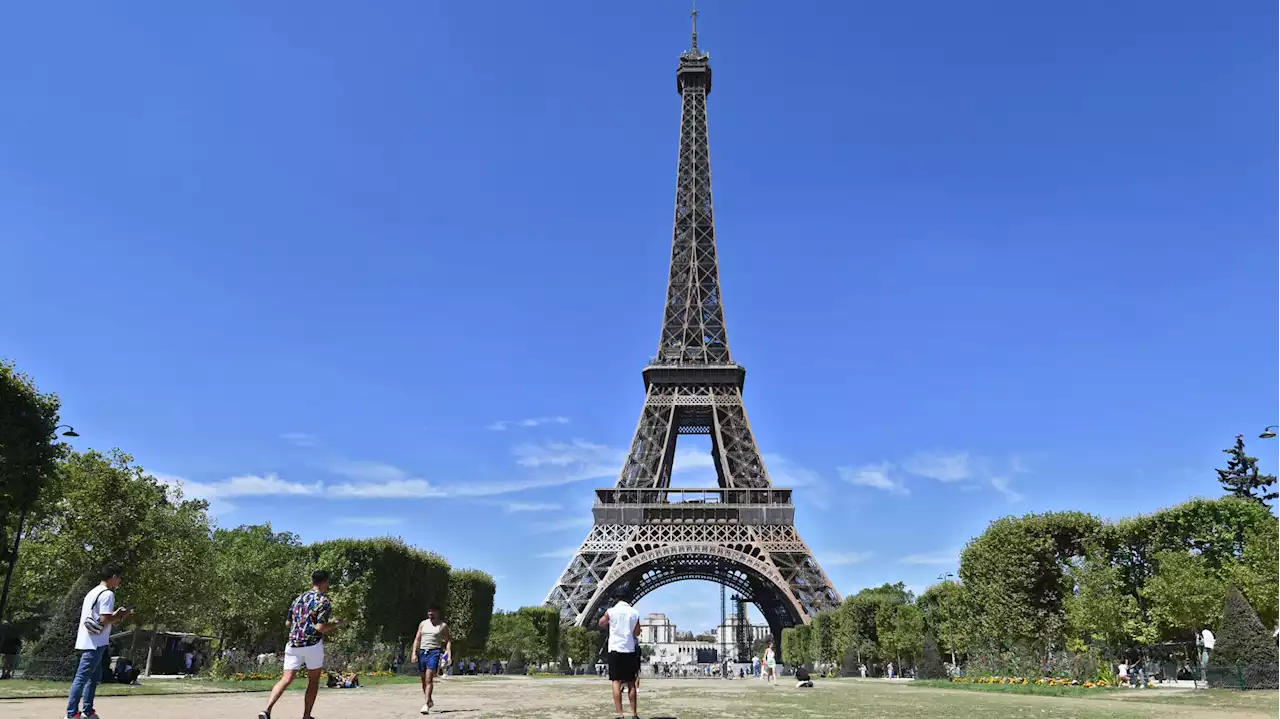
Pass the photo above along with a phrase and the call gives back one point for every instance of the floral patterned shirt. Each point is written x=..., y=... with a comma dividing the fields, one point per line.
x=308, y=610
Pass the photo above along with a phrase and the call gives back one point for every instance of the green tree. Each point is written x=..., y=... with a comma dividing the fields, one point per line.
x=823, y=637
x=469, y=610
x=1257, y=573
x=900, y=630
x=509, y=633
x=54, y=656
x=930, y=666
x=1100, y=607
x=1244, y=649
x=546, y=622
x=1015, y=574
x=580, y=645
x=795, y=645
x=1242, y=479
x=171, y=587
x=947, y=616
x=1184, y=595
x=28, y=450
x=258, y=573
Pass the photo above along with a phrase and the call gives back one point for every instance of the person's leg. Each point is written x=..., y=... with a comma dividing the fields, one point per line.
x=632, y=688
x=91, y=679
x=77, y=684
x=617, y=697
x=285, y=680
x=429, y=677
x=313, y=687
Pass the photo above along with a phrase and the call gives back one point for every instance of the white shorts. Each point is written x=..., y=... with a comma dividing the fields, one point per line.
x=312, y=656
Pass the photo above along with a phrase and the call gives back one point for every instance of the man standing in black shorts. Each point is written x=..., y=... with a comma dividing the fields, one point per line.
x=623, y=623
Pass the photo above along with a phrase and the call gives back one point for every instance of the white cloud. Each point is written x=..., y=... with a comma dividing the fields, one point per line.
x=564, y=454
x=1001, y=485
x=561, y=525
x=873, y=475
x=396, y=489
x=942, y=466
x=249, y=485
x=786, y=473
x=561, y=553
x=370, y=521
x=503, y=424
x=841, y=558
x=944, y=556
x=300, y=439
x=513, y=507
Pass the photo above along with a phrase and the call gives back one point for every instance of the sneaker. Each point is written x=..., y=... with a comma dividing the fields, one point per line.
x=426, y=709
x=93, y=714
x=431, y=703
x=264, y=714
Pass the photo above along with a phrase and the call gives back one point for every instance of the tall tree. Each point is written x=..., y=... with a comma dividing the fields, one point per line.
x=1245, y=651
x=1242, y=478
x=1184, y=595
x=257, y=572
x=28, y=452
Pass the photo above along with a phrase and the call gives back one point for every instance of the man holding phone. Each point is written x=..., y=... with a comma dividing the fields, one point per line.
x=93, y=636
x=310, y=618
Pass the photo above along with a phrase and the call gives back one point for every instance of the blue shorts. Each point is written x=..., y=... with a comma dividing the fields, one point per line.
x=428, y=659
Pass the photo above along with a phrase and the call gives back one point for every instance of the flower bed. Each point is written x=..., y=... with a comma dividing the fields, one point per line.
x=1041, y=682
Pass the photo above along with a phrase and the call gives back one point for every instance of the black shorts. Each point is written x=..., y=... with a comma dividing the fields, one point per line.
x=624, y=666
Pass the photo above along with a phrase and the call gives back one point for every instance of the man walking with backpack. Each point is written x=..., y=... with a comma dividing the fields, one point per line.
x=93, y=636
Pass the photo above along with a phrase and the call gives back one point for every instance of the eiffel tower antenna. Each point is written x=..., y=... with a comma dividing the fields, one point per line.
x=647, y=534
x=694, y=14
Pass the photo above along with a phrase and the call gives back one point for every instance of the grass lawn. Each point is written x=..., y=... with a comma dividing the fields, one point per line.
x=588, y=698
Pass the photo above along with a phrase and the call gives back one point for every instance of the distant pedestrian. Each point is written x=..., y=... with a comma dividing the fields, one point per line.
x=770, y=662
x=623, y=624
x=310, y=618
x=93, y=635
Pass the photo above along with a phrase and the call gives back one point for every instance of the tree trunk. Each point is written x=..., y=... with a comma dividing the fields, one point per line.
x=151, y=643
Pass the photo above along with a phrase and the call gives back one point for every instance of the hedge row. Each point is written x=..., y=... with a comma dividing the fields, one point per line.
x=469, y=610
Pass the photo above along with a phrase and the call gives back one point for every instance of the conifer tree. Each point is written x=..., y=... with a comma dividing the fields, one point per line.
x=930, y=666
x=1245, y=651
x=1242, y=478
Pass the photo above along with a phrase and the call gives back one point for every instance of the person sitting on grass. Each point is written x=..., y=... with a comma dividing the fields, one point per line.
x=802, y=678
x=341, y=680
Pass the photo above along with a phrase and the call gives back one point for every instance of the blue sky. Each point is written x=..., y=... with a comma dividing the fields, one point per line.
x=396, y=268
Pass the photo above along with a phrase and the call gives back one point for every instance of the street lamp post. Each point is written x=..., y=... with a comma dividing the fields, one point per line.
x=946, y=602
x=1269, y=432
x=17, y=539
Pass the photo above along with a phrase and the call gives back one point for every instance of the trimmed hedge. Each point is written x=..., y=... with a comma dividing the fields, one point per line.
x=795, y=645
x=546, y=620
x=1245, y=654
x=469, y=610
x=381, y=586
x=930, y=666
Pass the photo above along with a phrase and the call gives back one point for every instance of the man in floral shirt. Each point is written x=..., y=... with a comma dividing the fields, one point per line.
x=310, y=618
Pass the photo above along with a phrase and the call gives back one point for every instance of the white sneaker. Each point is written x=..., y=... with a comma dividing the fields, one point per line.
x=426, y=709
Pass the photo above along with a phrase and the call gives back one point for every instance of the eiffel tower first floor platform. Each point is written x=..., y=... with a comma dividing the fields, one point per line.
x=744, y=539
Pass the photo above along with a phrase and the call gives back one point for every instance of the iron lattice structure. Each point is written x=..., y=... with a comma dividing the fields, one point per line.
x=648, y=534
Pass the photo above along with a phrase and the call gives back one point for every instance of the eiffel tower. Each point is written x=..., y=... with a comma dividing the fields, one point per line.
x=647, y=534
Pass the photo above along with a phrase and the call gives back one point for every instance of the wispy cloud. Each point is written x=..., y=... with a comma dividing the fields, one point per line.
x=942, y=466
x=561, y=553
x=1001, y=485
x=514, y=507
x=786, y=473
x=561, y=525
x=503, y=424
x=878, y=476
x=370, y=521
x=841, y=558
x=942, y=556
x=249, y=485
x=300, y=439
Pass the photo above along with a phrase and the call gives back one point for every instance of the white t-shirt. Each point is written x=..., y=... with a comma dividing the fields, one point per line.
x=97, y=602
x=1208, y=639
x=623, y=619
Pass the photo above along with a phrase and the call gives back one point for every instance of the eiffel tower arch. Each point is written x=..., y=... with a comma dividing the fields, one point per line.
x=646, y=533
